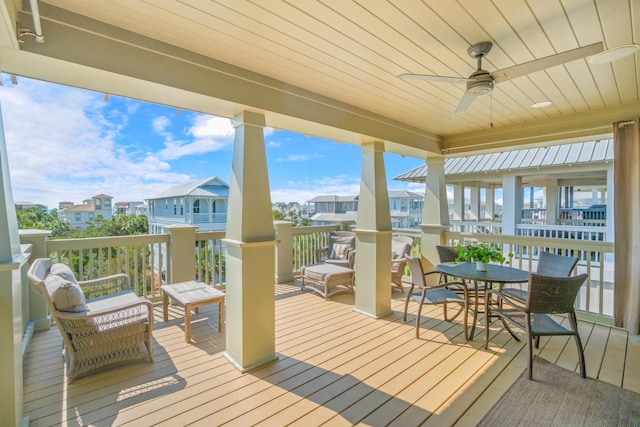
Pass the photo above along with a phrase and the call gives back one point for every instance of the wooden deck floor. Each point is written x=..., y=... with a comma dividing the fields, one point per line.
x=335, y=367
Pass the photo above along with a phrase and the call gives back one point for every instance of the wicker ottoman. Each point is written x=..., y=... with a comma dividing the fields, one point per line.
x=328, y=279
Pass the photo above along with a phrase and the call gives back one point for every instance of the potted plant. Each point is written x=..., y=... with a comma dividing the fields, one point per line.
x=482, y=254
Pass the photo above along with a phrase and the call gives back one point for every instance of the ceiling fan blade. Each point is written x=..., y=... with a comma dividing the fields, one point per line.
x=431, y=78
x=546, y=62
x=465, y=102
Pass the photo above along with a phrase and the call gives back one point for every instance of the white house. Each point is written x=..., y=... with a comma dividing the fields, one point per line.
x=78, y=215
x=202, y=203
x=405, y=209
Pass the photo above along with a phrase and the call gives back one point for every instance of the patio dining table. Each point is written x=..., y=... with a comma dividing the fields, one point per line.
x=495, y=274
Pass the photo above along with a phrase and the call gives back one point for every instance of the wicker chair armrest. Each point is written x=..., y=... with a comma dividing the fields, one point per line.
x=398, y=264
x=121, y=282
x=505, y=299
x=106, y=311
x=322, y=254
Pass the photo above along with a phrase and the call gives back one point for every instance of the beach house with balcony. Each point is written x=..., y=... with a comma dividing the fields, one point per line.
x=201, y=203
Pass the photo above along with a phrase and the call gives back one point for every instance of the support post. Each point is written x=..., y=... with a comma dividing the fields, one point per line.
x=490, y=203
x=512, y=203
x=373, y=236
x=610, y=224
x=474, y=202
x=551, y=201
x=458, y=201
x=250, y=241
x=435, y=212
x=12, y=268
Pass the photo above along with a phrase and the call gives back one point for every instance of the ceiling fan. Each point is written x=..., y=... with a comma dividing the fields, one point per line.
x=481, y=82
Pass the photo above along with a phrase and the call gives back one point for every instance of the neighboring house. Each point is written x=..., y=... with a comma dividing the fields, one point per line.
x=130, y=208
x=65, y=204
x=201, y=203
x=20, y=206
x=78, y=215
x=405, y=208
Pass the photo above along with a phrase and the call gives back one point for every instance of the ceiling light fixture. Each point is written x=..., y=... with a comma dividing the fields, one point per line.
x=541, y=104
x=614, y=54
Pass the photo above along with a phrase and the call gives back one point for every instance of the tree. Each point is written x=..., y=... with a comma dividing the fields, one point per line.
x=277, y=215
x=39, y=218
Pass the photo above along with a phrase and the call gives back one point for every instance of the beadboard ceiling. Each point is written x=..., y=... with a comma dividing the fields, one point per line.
x=349, y=54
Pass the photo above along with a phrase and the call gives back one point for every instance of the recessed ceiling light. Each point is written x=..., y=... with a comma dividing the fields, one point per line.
x=541, y=104
x=614, y=54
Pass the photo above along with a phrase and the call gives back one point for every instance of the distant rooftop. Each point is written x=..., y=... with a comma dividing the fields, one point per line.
x=204, y=188
x=557, y=155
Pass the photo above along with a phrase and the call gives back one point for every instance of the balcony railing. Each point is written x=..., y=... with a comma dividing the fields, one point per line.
x=146, y=258
x=595, y=258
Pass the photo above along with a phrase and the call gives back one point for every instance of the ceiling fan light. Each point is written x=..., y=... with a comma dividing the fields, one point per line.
x=541, y=104
x=614, y=54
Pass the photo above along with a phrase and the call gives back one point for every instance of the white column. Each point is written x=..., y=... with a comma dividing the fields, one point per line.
x=458, y=202
x=551, y=201
x=490, y=203
x=610, y=218
x=475, y=201
x=182, y=254
x=11, y=264
x=511, y=203
x=373, y=236
x=435, y=211
x=250, y=241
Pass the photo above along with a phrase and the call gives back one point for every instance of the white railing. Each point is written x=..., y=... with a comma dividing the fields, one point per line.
x=594, y=234
x=142, y=257
x=485, y=227
x=595, y=258
x=305, y=242
x=210, y=257
x=201, y=218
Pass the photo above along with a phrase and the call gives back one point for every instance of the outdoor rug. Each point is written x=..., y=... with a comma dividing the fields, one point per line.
x=558, y=397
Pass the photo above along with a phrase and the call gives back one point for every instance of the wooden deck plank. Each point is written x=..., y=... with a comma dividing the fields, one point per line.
x=335, y=367
x=612, y=368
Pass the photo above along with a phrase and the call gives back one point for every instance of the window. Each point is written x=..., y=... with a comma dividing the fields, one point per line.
x=181, y=208
x=77, y=217
x=107, y=203
x=175, y=207
x=91, y=217
x=196, y=206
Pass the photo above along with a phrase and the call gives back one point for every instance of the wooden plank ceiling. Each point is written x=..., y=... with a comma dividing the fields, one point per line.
x=353, y=51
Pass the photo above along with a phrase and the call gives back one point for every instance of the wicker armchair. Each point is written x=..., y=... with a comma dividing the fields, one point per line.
x=546, y=295
x=400, y=245
x=548, y=265
x=115, y=326
x=341, y=249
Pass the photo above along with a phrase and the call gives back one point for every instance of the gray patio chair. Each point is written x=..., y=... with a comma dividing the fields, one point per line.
x=400, y=245
x=113, y=327
x=549, y=264
x=441, y=293
x=546, y=295
x=340, y=249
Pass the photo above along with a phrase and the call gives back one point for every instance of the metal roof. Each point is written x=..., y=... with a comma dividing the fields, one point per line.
x=533, y=158
x=203, y=188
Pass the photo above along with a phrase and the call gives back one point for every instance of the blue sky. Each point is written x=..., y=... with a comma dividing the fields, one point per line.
x=66, y=143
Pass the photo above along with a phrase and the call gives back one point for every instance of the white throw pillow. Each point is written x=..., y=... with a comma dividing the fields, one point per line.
x=340, y=250
x=65, y=294
x=63, y=271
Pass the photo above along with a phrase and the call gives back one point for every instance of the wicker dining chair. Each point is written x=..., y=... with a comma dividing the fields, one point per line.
x=547, y=295
x=549, y=264
x=400, y=245
x=441, y=293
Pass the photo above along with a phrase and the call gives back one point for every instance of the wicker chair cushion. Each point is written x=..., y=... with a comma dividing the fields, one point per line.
x=340, y=250
x=63, y=270
x=66, y=295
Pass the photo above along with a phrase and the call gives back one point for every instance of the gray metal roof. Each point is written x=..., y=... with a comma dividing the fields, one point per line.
x=319, y=199
x=203, y=188
x=404, y=194
x=531, y=158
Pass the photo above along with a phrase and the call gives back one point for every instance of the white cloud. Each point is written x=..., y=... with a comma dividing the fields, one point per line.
x=304, y=190
x=298, y=157
x=62, y=145
x=209, y=133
